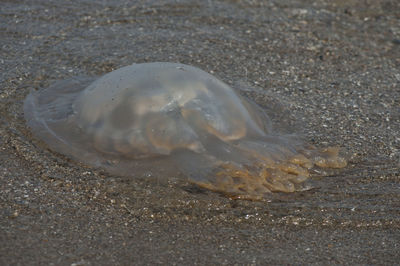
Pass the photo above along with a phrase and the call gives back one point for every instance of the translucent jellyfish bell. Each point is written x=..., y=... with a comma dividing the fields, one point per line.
x=167, y=117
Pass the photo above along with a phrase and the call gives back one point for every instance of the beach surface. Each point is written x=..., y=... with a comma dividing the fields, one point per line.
x=334, y=65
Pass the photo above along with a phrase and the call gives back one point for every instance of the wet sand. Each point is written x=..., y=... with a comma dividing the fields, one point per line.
x=334, y=64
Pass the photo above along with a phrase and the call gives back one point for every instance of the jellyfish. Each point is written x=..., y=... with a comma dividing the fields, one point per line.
x=173, y=119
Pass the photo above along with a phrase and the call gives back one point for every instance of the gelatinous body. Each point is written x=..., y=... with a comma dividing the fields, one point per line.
x=164, y=117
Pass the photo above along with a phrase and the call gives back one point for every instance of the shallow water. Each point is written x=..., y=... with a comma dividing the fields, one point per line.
x=333, y=65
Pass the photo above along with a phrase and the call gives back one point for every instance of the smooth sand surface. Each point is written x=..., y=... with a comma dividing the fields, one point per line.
x=335, y=66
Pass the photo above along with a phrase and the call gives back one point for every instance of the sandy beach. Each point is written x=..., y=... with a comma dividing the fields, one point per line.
x=334, y=65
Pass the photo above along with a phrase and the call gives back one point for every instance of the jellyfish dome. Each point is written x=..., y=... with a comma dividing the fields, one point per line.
x=165, y=118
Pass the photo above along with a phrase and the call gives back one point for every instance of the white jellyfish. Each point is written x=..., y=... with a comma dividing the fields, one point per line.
x=167, y=118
